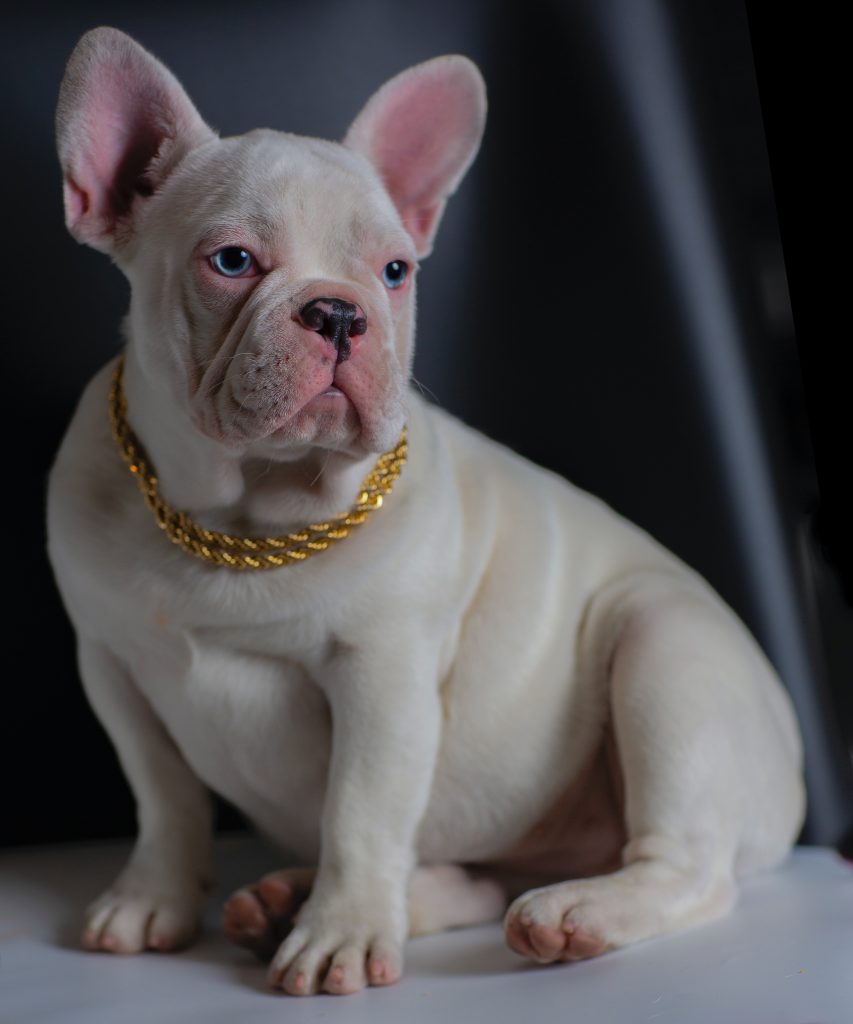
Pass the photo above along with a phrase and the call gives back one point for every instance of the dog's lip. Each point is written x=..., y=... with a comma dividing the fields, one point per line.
x=331, y=392
x=336, y=388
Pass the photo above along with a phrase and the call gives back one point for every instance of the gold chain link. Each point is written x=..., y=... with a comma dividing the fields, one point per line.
x=246, y=552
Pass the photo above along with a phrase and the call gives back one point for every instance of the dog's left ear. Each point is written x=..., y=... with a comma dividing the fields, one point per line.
x=421, y=131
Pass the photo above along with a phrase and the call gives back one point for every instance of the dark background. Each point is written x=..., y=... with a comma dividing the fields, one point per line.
x=623, y=187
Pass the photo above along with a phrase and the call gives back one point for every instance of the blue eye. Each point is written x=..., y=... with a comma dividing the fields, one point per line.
x=232, y=261
x=394, y=273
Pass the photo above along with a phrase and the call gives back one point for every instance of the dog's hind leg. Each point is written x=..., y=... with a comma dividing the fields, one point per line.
x=710, y=760
x=444, y=896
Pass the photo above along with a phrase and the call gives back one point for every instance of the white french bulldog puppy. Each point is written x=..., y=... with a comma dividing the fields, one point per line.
x=491, y=697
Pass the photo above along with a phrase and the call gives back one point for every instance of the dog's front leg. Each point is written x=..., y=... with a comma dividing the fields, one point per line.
x=386, y=718
x=157, y=900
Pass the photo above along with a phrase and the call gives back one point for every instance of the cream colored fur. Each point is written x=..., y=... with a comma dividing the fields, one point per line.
x=422, y=693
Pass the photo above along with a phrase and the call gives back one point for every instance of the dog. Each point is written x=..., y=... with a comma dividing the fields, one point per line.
x=452, y=686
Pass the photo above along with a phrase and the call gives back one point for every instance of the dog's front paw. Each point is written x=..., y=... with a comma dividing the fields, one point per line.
x=340, y=947
x=144, y=913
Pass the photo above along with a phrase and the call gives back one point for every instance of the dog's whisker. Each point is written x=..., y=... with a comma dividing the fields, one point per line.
x=266, y=470
x=425, y=391
x=322, y=468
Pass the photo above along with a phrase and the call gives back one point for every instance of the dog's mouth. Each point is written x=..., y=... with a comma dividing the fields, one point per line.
x=326, y=415
x=335, y=390
x=294, y=393
x=358, y=410
x=331, y=408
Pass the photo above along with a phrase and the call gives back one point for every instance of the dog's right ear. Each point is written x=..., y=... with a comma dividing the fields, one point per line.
x=123, y=122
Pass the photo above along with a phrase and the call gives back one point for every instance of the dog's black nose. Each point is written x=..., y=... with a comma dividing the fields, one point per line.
x=336, y=320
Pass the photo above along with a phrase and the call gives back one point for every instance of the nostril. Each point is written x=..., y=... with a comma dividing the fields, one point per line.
x=358, y=326
x=313, y=318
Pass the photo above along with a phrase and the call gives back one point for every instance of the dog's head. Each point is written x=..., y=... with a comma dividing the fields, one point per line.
x=272, y=275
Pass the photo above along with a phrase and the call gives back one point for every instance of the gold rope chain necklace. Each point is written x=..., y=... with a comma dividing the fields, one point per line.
x=246, y=552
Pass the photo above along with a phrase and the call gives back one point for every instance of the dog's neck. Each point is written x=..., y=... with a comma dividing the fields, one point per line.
x=227, y=489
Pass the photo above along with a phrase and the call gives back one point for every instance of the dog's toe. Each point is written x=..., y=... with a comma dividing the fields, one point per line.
x=128, y=919
x=548, y=943
x=259, y=916
x=540, y=925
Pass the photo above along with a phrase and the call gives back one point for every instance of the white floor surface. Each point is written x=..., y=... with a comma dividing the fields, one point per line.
x=784, y=956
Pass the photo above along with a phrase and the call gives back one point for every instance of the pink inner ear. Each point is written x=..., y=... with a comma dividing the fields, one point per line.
x=424, y=131
x=122, y=123
x=125, y=126
x=421, y=131
x=421, y=221
x=76, y=202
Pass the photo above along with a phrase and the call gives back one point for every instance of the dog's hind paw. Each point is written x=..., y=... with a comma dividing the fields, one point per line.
x=259, y=916
x=585, y=917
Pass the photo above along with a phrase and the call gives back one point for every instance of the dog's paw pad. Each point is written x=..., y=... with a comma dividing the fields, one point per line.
x=260, y=915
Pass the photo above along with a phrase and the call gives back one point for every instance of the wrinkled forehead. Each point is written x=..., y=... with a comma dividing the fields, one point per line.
x=285, y=190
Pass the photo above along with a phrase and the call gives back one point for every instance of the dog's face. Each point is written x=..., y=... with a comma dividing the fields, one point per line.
x=272, y=275
x=279, y=285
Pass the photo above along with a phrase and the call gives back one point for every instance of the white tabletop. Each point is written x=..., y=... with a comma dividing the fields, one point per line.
x=784, y=956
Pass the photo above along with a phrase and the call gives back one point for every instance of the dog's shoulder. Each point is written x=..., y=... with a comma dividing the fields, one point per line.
x=504, y=494
x=87, y=440
x=87, y=488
